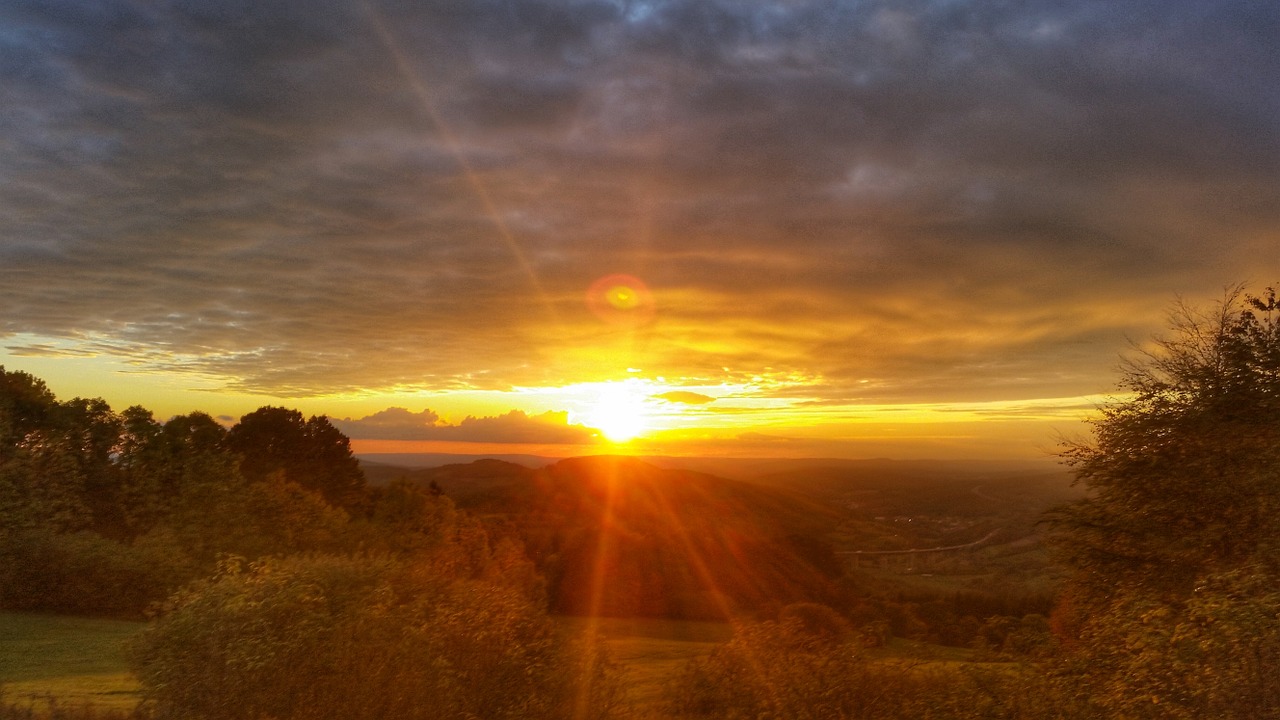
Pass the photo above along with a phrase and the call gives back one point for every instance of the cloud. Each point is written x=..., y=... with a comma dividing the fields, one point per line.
x=392, y=424
x=517, y=427
x=966, y=199
x=685, y=397
x=550, y=428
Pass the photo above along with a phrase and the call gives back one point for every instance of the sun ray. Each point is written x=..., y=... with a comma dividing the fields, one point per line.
x=702, y=569
x=599, y=569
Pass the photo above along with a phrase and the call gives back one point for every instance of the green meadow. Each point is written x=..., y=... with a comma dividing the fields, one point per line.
x=72, y=660
x=77, y=661
x=652, y=652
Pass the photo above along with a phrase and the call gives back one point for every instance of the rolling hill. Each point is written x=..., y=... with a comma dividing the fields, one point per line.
x=622, y=537
x=649, y=538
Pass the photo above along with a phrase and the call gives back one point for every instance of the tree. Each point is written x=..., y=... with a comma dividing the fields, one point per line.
x=42, y=463
x=26, y=405
x=90, y=432
x=1175, y=551
x=164, y=467
x=312, y=453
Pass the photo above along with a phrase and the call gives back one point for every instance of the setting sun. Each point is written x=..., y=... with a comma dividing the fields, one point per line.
x=619, y=413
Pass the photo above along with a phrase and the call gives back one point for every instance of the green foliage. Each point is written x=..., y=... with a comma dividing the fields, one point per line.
x=799, y=669
x=26, y=406
x=41, y=485
x=406, y=518
x=815, y=621
x=1171, y=607
x=106, y=512
x=54, y=710
x=338, y=637
x=165, y=467
x=84, y=573
x=1211, y=655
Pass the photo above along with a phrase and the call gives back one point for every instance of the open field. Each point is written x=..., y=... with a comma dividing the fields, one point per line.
x=651, y=652
x=75, y=660
x=81, y=660
x=78, y=661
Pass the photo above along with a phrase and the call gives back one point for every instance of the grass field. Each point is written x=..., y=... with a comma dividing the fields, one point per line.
x=652, y=652
x=75, y=660
x=81, y=661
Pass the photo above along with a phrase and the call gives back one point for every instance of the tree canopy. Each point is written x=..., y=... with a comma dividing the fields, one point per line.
x=106, y=512
x=311, y=452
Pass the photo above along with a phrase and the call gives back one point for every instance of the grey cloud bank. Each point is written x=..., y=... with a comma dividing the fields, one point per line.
x=968, y=199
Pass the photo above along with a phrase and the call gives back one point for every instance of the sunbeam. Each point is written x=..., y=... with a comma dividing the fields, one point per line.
x=700, y=566
x=599, y=571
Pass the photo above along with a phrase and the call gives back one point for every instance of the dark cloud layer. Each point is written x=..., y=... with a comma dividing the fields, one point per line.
x=917, y=200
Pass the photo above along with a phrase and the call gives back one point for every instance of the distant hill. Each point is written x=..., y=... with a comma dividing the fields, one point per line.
x=754, y=468
x=428, y=460
x=621, y=537
x=901, y=506
x=671, y=541
x=931, y=490
x=737, y=468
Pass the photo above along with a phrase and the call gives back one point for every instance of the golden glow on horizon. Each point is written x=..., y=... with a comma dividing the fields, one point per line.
x=769, y=413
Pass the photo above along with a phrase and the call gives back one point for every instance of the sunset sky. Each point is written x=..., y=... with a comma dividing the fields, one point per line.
x=845, y=229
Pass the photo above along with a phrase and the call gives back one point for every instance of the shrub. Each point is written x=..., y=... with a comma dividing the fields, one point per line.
x=800, y=670
x=342, y=637
x=84, y=573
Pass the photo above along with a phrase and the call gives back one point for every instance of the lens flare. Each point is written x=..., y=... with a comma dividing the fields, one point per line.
x=622, y=297
x=621, y=300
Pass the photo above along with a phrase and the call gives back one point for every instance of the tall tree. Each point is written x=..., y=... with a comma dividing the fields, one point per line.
x=161, y=463
x=26, y=405
x=90, y=432
x=42, y=461
x=311, y=452
x=1175, y=552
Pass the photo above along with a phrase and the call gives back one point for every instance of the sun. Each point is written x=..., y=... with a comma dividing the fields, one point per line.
x=619, y=413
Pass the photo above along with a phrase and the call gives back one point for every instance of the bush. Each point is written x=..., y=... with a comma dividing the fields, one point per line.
x=800, y=669
x=341, y=637
x=84, y=573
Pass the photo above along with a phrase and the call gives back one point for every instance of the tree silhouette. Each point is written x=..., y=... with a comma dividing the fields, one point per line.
x=311, y=452
x=1175, y=552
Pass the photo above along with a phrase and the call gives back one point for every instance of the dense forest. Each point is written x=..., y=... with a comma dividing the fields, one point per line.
x=281, y=583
